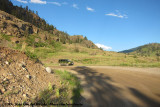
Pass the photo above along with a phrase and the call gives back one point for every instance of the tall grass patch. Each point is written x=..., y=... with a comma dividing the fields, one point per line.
x=6, y=37
x=72, y=83
x=67, y=92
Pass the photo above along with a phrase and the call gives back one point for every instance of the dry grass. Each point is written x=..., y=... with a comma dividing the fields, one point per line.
x=87, y=56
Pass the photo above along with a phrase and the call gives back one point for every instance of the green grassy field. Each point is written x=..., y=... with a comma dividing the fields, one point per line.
x=96, y=57
x=49, y=54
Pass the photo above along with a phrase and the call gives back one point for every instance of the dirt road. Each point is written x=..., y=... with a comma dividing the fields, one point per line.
x=119, y=86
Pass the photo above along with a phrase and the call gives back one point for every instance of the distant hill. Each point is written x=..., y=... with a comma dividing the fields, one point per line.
x=152, y=49
x=129, y=50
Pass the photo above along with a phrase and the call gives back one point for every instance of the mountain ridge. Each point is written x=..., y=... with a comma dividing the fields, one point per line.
x=151, y=49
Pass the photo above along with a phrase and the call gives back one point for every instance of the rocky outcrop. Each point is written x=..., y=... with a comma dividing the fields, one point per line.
x=81, y=40
x=10, y=25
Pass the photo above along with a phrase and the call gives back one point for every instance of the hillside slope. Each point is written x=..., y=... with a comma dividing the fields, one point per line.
x=25, y=14
x=24, y=22
x=18, y=30
x=129, y=50
x=152, y=49
x=21, y=79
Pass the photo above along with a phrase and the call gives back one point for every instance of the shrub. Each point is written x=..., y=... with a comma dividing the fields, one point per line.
x=45, y=97
x=61, y=94
x=32, y=56
x=135, y=56
x=6, y=37
x=40, y=44
x=18, y=46
x=76, y=49
x=55, y=44
x=73, y=83
x=30, y=40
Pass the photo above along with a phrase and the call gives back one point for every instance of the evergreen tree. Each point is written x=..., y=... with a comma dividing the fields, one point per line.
x=85, y=38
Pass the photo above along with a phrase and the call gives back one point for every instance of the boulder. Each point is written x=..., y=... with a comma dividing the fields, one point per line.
x=48, y=69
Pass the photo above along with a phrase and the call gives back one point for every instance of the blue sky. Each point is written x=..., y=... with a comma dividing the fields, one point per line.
x=113, y=24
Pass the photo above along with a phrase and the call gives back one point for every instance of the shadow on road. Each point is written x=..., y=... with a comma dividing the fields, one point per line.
x=103, y=93
x=142, y=97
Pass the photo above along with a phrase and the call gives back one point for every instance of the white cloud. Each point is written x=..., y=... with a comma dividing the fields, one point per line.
x=103, y=46
x=90, y=9
x=45, y=2
x=38, y=1
x=117, y=14
x=75, y=6
x=55, y=3
x=111, y=14
x=22, y=1
x=64, y=3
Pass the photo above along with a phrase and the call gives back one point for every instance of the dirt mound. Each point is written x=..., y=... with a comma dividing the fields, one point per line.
x=21, y=79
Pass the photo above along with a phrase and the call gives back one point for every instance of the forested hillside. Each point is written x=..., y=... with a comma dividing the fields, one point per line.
x=152, y=49
x=11, y=26
x=25, y=14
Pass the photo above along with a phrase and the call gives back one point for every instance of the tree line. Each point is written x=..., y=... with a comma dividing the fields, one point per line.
x=26, y=15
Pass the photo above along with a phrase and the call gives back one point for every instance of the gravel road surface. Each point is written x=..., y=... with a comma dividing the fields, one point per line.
x=118, y=86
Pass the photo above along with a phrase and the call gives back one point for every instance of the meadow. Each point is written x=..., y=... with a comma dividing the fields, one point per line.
x=94, y=57
x=49, y=54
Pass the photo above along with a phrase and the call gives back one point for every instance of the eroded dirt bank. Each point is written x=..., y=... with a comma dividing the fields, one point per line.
x=21, y=79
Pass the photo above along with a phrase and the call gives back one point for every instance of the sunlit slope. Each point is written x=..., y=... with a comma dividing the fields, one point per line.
x=152, y=49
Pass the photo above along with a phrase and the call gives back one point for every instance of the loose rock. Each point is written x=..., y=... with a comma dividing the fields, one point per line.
x=28, y=76
x=22, y=64
x=3, y=90
x=6, y=62
x=48, y=69
x=25, y=95
x=0, y=92
x=24, y=69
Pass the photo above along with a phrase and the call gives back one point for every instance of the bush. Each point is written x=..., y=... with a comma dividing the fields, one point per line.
x=6, y=37
x=45, y=97
x=32, y=56
x=30, y=40
x=135, y=56
x=40, y=44
x=69, y=91
x=18, y=46
x=73, y=83
x=76, y=49
x=56, y=45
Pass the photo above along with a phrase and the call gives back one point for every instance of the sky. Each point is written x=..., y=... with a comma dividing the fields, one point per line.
x=114, y=25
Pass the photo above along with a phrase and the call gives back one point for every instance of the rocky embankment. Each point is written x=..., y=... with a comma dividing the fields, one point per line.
x=21, y=79
x=10, y=25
